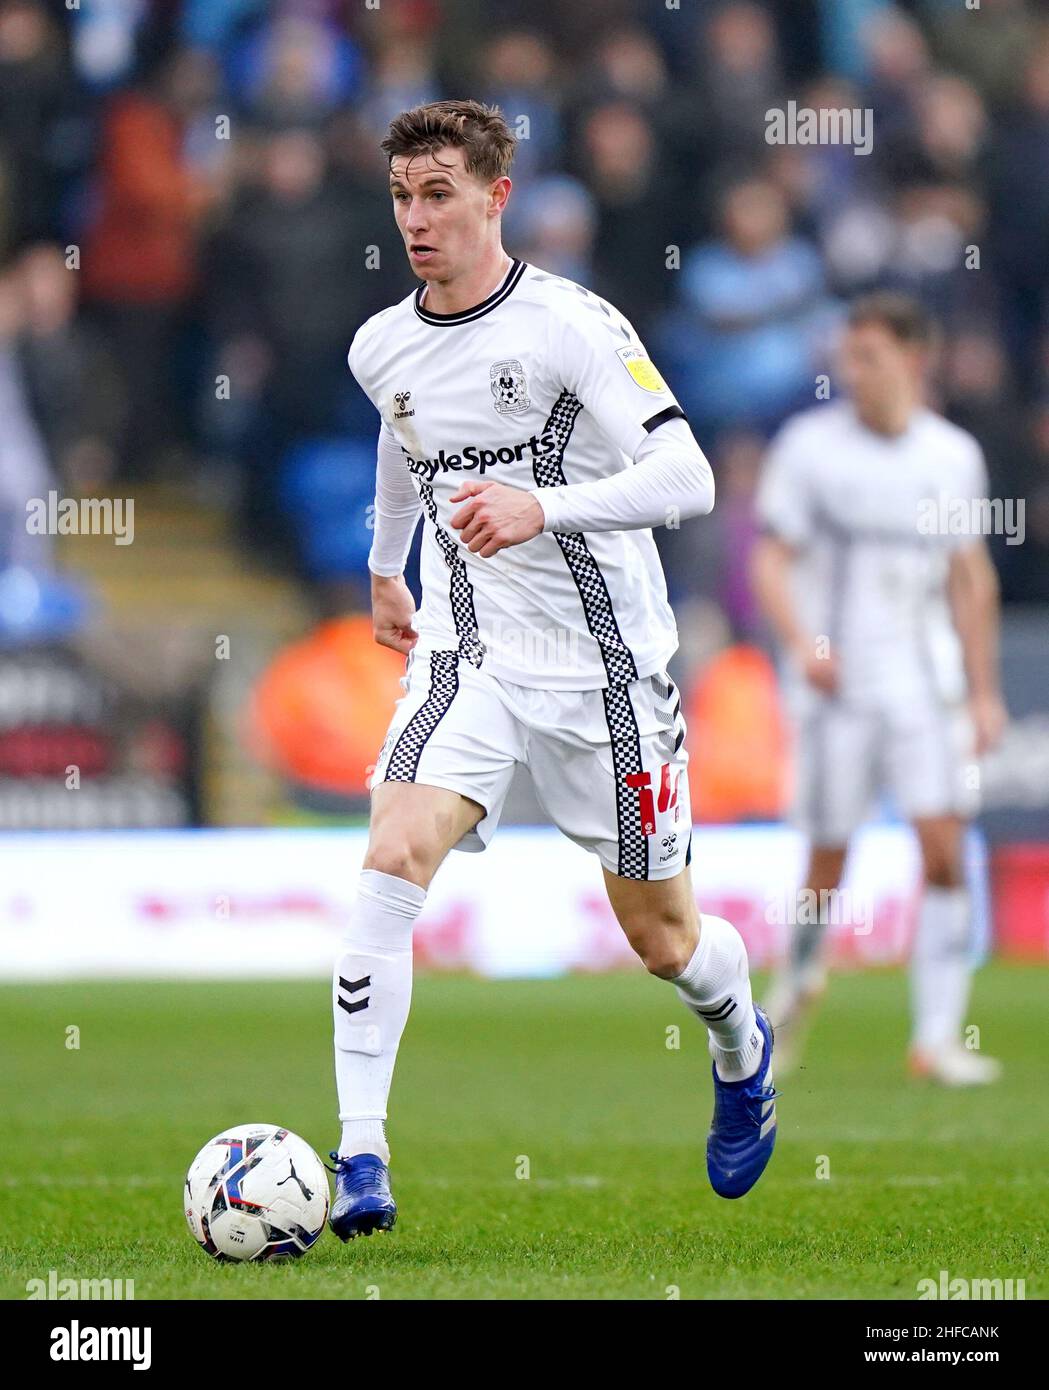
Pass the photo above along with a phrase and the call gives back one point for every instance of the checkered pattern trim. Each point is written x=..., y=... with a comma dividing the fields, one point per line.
x=626, y=759
x=444, y=682
x=593, y=592
x=461, y=593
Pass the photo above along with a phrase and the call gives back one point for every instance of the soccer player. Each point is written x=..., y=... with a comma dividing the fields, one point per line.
x=523, y=420
x=888, y=620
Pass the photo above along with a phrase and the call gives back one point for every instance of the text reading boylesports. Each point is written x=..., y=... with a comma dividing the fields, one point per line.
x=476, y=456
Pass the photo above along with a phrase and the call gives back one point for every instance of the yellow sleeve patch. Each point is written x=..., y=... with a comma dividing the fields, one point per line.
x=641, y=368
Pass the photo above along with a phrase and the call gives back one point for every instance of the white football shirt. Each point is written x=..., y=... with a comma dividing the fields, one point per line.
x=866, y=514
x=543, y=384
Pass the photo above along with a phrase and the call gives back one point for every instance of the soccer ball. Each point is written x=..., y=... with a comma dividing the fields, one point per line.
x=256, y=1192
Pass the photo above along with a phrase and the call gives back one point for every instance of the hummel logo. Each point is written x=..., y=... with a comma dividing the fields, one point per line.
x=402, y=398
x=670, y=845
x=351, y=987
x=294, y=1177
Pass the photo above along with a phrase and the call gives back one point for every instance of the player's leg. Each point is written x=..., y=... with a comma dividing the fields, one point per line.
x=439, y=782
x=926, y=752
x=611, y=771
x=836, y=759
x=807, y=947
x=801, y=980
x=704, y=958
x=941, y=961
x=413, y=826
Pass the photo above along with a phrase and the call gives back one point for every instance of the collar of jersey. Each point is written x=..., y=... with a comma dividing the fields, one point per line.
x=513, y=275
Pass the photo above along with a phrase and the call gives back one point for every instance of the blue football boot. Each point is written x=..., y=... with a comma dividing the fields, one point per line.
x=743, y=1130
x=363, y=1202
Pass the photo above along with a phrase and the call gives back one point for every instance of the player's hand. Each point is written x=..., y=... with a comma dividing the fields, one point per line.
x=820, y=669
x=393, y=611
x=989, y=717
x=495, y=516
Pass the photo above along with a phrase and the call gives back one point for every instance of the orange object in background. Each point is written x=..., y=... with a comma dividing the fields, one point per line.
x=320, y=712
x=737, y=739
x=140, y=249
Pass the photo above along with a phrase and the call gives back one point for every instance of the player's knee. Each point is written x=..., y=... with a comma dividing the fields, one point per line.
x=943, y=855
x=942, y=868
x=400, y=857
x=817, y=889
x=666, y=964
x=824, y=871
x=665, y=946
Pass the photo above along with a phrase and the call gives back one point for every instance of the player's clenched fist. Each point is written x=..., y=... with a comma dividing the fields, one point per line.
x=495, y=516
x=393, y=611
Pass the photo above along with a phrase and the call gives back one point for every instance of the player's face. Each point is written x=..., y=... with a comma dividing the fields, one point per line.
x=441, y=210
x=877, y=368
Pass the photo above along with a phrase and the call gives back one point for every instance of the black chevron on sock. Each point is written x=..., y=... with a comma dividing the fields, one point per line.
x=353, y=1008
x=721, y=1012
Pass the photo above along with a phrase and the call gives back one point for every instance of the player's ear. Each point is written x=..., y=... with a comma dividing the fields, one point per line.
x=498, y=194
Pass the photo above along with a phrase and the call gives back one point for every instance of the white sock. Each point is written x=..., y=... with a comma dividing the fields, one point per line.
x=371, y=994
x=941, y=970
x=715, y=985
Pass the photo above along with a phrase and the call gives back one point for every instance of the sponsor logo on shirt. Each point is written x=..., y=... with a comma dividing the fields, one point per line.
x=401, y=399
x=476, y=456
x=641, y=368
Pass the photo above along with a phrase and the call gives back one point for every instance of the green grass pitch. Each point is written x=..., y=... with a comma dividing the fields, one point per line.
x=572, y=1076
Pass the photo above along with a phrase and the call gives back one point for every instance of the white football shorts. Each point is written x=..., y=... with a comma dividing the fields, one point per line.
x=845, y=757
x=609, y=766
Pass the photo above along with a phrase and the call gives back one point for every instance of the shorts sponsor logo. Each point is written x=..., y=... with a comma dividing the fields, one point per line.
x=641, y=782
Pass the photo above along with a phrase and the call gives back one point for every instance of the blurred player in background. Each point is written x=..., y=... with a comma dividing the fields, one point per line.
x=522, y=418
x=889, y=628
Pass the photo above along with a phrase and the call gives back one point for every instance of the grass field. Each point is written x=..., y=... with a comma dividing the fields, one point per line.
x=574, y=1074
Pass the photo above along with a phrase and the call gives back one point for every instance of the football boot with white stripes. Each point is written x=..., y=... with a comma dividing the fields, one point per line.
x=743, y=1130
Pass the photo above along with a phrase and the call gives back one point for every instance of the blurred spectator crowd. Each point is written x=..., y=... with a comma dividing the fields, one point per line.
x=194, y=221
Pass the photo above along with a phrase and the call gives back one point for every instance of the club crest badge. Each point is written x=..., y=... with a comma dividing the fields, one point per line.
x=509, y=387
